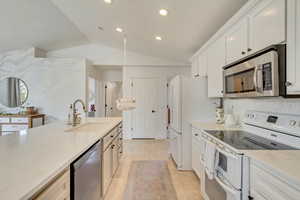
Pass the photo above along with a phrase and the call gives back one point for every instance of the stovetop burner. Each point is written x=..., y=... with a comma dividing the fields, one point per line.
x=243, y=140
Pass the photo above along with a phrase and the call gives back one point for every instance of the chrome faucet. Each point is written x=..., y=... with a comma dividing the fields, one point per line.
x=76, y=119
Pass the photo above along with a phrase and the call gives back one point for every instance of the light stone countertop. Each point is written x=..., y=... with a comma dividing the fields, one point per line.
x=212, y=126
x=32, y=158
x=284, y=163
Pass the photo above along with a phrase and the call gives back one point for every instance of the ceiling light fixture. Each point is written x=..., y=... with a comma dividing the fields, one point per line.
x=163, y=12
x=120, y=30
x=108, y=1
x=158, y=38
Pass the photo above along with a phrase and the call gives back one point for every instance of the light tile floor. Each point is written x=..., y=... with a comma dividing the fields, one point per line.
x=186, y=184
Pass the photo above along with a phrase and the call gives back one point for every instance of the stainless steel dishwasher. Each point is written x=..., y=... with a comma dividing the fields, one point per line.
x=86, y=174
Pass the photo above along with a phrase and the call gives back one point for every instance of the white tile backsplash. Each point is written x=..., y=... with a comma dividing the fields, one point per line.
x=274, y=104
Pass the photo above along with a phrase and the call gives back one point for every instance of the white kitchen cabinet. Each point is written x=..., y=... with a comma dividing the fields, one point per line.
x=267, y=24
x=199, y=65
x=195, y=68
x=202, y=64
x=58, y=189
x=215, y=63
x=293, y=46
x=107, y=168
x=196, y=159
x=237, y=41
x=267, y=184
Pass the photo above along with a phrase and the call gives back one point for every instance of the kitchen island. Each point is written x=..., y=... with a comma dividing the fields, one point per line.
x=31, y=159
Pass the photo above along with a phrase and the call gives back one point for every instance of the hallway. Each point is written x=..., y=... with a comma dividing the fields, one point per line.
x=186, y=184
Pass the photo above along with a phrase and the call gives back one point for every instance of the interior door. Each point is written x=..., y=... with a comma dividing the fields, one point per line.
x=145, y=118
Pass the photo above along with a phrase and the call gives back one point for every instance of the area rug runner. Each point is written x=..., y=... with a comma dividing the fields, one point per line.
x=149, y=180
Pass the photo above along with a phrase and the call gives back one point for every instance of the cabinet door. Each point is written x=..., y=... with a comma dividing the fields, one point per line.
x=107, y=168
x=196, y=161
x=202, y=64
x=267, y=24
x=293, y=46
x=266, y=184
x=195, y=69
x=115, y=157
x=215, y=63
x=237, y=42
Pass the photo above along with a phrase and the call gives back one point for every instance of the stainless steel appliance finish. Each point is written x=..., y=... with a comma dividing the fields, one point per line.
x=86, y=175
x=258, y=75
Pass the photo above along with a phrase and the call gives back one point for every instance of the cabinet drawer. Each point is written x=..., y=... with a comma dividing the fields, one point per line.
x=269, y=186
x=4, y=120
x=19, y=120
x=109, y=138
x=58, y=190
x=11, y=128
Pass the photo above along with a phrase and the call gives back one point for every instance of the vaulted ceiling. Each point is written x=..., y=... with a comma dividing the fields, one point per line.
x=67, y=23
x=39, y=23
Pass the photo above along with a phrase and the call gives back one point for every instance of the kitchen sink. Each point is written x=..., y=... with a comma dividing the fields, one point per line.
x=88, y=127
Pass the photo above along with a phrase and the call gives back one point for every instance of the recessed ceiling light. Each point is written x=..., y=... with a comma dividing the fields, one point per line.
x=163, y=12
x=108, y=1
x=120, y=30
x=158, y=38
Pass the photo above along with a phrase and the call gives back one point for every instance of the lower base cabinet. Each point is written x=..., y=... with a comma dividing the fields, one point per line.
x=59, y=189
x=111, y=157
x=266, y=184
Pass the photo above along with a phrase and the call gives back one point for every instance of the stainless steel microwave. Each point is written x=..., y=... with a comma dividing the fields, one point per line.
x=262, y=74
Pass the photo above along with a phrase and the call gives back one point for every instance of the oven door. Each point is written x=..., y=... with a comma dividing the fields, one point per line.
x=229, y=166
x=253, y=78
x=218, y=189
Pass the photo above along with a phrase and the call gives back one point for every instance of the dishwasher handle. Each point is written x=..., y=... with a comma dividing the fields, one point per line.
x=85, y=156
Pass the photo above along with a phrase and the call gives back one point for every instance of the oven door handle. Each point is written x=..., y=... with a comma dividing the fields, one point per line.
x=226, y=186
x=226, y=153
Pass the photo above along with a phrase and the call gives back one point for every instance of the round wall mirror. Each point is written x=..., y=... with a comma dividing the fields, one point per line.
x=13, y=92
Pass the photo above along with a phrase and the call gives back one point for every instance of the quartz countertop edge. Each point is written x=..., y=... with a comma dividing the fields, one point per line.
x=34, y=157
x=284, y=163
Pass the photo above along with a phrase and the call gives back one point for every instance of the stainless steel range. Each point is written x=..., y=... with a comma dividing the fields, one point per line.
x=260, y=131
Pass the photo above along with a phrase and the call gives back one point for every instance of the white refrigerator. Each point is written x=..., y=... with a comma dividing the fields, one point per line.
x=187, y=101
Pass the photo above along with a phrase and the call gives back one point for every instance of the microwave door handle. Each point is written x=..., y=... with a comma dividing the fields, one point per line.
x=225, y=186
x=255, y=78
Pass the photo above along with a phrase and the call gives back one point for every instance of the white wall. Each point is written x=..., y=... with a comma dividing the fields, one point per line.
x=163, y=74
x=104, y=55
x=53, y=83
x=274, y=104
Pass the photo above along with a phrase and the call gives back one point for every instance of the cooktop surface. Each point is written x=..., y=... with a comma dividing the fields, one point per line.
x=246, y=141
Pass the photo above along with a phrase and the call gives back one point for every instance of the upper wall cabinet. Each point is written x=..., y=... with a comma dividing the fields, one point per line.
x=293, y=46
x=237, y=41
x=195, y=68
x=267, y=24
x=199, y=65
x=215, y=63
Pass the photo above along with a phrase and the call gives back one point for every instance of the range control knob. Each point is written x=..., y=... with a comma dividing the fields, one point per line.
x=293, y=123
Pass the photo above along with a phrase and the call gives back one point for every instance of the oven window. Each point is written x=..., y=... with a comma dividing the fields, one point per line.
x=240, y=82
x=222, y=162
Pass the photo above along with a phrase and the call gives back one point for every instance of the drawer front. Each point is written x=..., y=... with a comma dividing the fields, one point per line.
x=11, y=128
x=4, y=120
x=109, y=138
x=263, y=183
x=19, y=120
x=58, y=190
